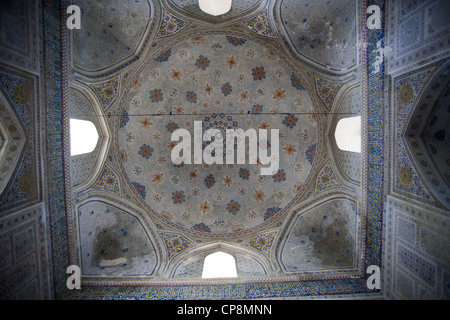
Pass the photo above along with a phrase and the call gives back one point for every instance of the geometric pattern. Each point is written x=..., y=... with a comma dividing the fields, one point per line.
x=12, y=140
x=263, y=242
x=109, y=181
x=260, y=25
x=175, y=243
x=326, y=179
x=107, y=92
x=170, y=25
x=327, y=90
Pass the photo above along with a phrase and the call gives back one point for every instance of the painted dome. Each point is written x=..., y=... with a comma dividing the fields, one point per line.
x=222, y=82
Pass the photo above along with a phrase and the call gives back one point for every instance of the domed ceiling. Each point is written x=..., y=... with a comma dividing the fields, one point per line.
x=145, y=71
x=223, y=82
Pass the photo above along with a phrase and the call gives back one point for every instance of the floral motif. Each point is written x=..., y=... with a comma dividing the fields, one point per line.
x=156, y=95
x=191, y=96
x=257, y=108
x=258, y=73
x=158, y=177
x=205, y=206
x=296, y=83
x=279, y=94
x=146, y=151
x=228, y=181
x=172, y=126
x=163, y=56
x=201, y=227
x=290, y=121
x=289, y=149
x=130, y=136
x=259, y=195
x=236, y=41
x=271, y=212
x=227, y=89
x=145, y=122
x=216, y=46
x=244, y=173
x=140, y=189
x=202, y=62
x=210, y=181
x=310, y=153
x=106, y=92
x=124, y=118
x=231, y=62
x=208, y=89
x=219, y=222
x=244, y=95
x=233, y=207
x=279, y=176
x=178, y=197
x=193, y=175
x=176, y=75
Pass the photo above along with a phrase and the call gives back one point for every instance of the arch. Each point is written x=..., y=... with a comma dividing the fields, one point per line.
x=219, y=265
x=348, y=134
x=83, y=137
x=189, y=264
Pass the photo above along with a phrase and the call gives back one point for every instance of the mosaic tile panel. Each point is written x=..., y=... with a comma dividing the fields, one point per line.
x=260, y=24
x=20, y=27
x=175, y=243
x=170, y=25
x=416, y=258
x=375, y=142
x=12, y=140
x=263, y=242
x=25, y=272
x=327, y=179
x=327, y=90
x=419, y=31
x=19, y=88
x=109, y=181
x=107, y=92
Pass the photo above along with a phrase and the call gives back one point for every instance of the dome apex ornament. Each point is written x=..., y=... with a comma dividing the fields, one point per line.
x=215, y=7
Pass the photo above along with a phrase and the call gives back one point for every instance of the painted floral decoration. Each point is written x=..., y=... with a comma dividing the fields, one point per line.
x=191, y=96
x=258, y=73
x=227, y=89
x=146, y=151
x=210, y=181
x=233, y=207
x=244, y=174
x=178, y=197
x=290, y=121
x=156, y=95
x=172, y=126
x=202, y=62
x=279, y=176
x=163, y=56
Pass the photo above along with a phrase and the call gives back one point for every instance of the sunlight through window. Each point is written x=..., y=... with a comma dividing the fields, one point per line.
x=219, y=265
x=348, y=134
x=215, y=7
x=83, y=137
